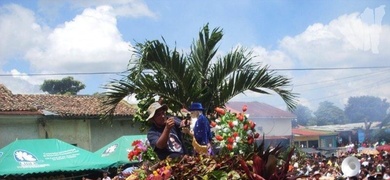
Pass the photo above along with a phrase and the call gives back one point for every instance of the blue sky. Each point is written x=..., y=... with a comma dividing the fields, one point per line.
x=49, y=37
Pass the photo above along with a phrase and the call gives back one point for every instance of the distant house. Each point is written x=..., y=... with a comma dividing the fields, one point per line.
x=71, y=118
x=352, y=132
x=275, y=124
x=310, y=138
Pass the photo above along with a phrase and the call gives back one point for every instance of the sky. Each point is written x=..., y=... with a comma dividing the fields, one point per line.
x=331, y=50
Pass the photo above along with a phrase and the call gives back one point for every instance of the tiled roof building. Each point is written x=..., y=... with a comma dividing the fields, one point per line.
x=71, y=118
x=60, y=105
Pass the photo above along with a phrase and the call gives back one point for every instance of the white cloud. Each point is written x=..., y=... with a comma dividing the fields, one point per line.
x=274, y=59
x=18, y=31
x=90, y=42
x=18, y=85
x=341, y=43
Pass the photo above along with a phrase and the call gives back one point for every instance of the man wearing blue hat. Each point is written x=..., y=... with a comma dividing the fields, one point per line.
x=200, y=127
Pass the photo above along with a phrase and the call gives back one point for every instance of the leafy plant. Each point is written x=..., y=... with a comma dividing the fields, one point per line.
x=158, y=70
x=234, y=132
x=142, y=152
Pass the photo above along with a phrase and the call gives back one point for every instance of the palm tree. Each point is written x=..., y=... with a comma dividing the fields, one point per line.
x=200, y=76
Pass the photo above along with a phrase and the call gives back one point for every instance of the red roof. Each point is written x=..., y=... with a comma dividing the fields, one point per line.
x=11, y=102
x=62, y=105
x=258, y=109
x=310, y=132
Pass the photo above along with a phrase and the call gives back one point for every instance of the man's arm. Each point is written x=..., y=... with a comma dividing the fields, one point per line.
x=162, y=141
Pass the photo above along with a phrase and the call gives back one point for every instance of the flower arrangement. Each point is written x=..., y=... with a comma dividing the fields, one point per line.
x=148, y=171
x=238, y=157
x=161, y=173
x=234, y=132
x=142, y=151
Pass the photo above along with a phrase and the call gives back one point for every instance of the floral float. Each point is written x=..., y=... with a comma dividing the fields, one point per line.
x=239, y=157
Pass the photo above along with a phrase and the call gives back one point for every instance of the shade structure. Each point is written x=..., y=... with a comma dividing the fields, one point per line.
x=23, y=157
x=119, y=149
x=385, y=147
x=369, y=151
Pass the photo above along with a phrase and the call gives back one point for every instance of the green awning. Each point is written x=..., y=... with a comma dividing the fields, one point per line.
x=119, y=149
x=47, y=155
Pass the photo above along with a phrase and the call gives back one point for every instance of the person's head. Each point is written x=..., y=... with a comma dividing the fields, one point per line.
x=105, y=173
x=196, y=109
x=156, y=113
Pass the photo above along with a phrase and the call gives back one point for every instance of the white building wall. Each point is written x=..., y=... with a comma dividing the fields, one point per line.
x=12, y=128
x=273, y=126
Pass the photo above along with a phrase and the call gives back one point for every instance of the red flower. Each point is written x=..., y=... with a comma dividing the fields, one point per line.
x=252, y=124
x=246, y=127
x=130, y=156
x=231, y=140
x=136, y=142
x=220, y=111
x=213, y=124
x=137, y=152
x=235, y=134
x=250, y=140
x=231, y=125
x=240, y=116
x=257, y=135
x=219, y=138
x=229, y=146
x=244, y=108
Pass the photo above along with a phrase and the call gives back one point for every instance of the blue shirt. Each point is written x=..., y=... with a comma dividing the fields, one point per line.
x=174, y=145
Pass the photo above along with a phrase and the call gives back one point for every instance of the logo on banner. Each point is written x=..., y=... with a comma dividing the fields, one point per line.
x=110, y=150
x=24, y=156
x=27, y=159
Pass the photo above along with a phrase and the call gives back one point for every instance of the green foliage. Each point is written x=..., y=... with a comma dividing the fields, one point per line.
x=366, y=108
x=328, y=114
x=201, y=76
x=66, y=85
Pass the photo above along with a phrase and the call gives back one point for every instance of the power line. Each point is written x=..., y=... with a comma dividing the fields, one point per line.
x=332, y=68
x=348, y=77
x=365, y=76
x=61, y=74
x=383, y=81
x=102, y=73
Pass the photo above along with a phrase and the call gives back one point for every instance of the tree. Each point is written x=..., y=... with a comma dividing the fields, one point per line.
x=366, y=109
x=304, y=115
x=198, y=76
x=66, y=85
x=327, y=114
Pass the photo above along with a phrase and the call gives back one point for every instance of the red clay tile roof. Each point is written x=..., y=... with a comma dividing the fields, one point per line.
x=11, y=102
x=62, y=105
x=310, y=132
x=259, y=110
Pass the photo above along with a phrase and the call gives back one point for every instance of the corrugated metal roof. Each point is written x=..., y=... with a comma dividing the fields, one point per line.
x=344, y=127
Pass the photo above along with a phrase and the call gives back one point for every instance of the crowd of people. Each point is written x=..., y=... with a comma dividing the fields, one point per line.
x=372, y=166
